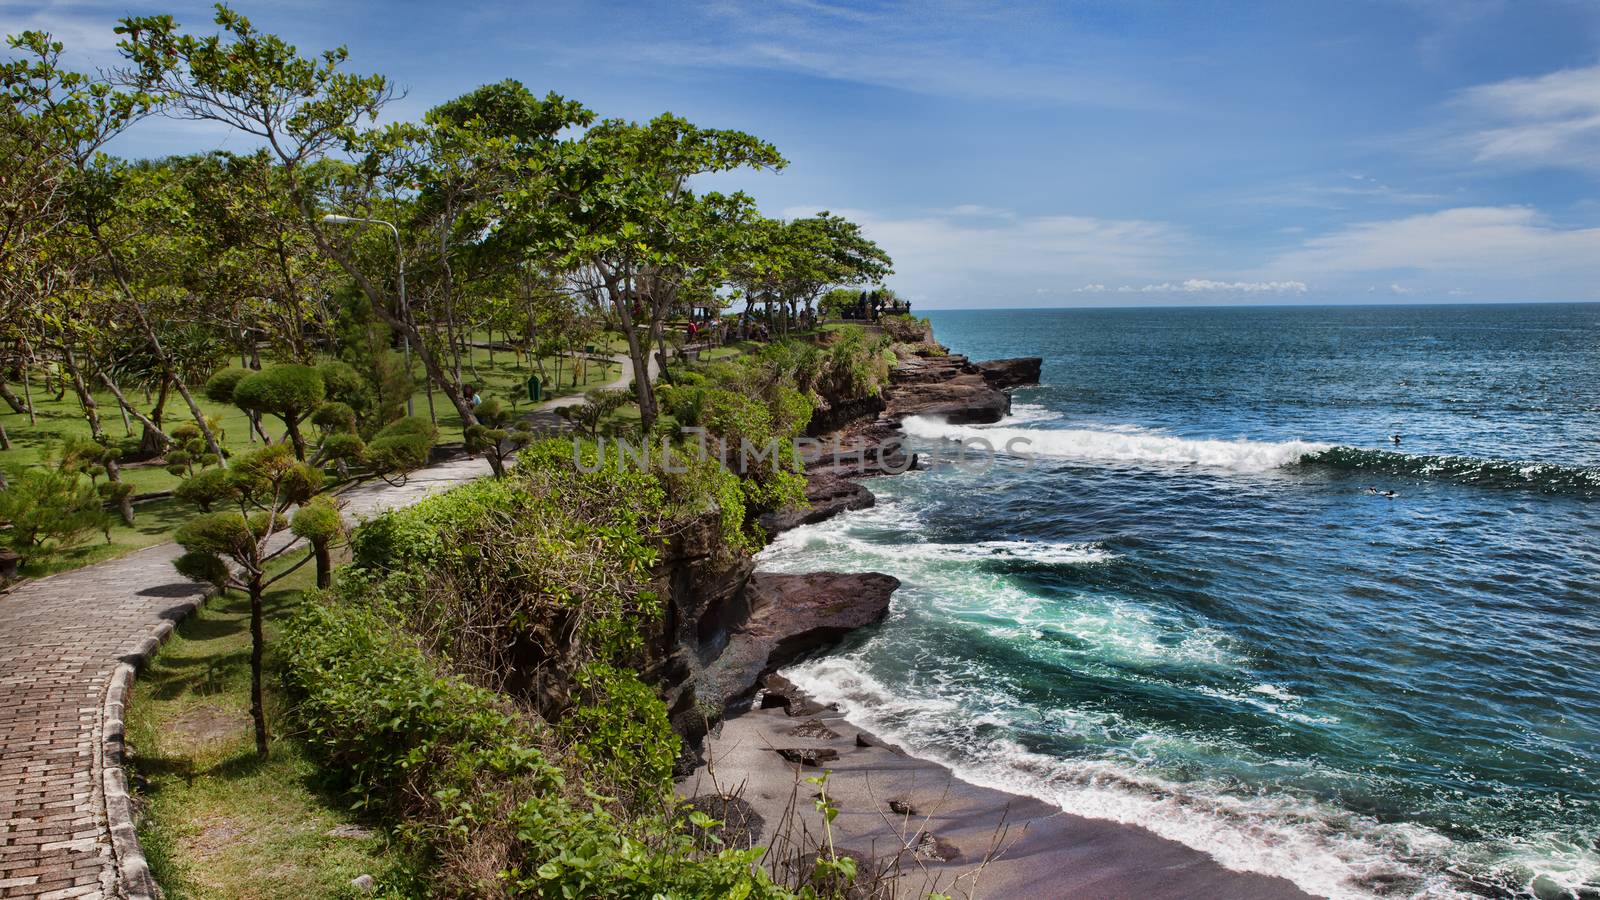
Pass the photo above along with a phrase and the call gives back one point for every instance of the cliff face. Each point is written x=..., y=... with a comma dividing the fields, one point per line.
x=726, y=628
x=723, y=627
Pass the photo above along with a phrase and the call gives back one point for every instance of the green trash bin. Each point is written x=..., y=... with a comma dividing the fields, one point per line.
x=535, y=389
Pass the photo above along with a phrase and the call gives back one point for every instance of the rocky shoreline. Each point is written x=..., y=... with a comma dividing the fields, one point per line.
x=754, y=738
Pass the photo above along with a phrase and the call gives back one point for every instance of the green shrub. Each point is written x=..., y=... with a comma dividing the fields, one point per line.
x=289, y=391
x=472, y=776
x=342, y=446
x=44, y=512
x=220, y=387
x=341, y=381
x=402, y=445
x=285, y=391
x=619, y=730
x=318, y=520
x=204, y=488
x=335, y=417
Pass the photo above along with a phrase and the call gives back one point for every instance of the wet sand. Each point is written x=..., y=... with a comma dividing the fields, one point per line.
x=948, y=835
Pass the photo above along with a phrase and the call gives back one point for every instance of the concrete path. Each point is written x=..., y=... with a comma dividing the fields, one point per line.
x=545, y=417
x=66, y=639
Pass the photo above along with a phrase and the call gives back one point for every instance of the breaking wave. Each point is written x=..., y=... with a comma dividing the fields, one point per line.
x=1137, y=446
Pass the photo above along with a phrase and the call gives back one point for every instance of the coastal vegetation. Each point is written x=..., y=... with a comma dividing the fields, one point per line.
x=161, y=316
x=483, y=681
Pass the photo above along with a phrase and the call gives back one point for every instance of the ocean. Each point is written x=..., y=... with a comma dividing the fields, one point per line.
x=1192, y=605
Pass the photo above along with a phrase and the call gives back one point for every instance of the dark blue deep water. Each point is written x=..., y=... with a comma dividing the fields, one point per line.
x=1189, y=611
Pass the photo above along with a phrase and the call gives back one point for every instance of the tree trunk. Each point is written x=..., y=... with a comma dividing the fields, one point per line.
x=91, y=411
x=324, y=555
x=212, y=443
x=637, y=354
x=296, y=438
x=660, y=335
x=5, y=444
x=27, y=392
x=16, y=404
x=154, y=439
x=126, y=407
x=258, y=711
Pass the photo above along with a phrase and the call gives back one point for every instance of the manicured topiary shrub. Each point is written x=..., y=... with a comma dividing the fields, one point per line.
x=495, y=436
x=290, y=392
x=401, y=445
x=341, y=381
x=219, y=387
x=320, y=523
x=204, y=488
x=334, y=416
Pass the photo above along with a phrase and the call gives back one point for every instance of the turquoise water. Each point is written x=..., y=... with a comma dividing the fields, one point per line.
x=1189, y=611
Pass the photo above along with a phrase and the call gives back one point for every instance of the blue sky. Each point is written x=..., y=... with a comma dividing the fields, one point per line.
x=1080, y=153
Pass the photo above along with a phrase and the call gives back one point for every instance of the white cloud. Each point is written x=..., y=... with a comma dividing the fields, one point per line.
x=951, y=257
x=945, y=48
x=1508, y=252
x=1201, y=286
x=1546, y=120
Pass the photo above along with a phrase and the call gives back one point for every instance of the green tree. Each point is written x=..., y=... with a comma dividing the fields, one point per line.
x=43, y=512
x=495, y=436
x=622, y=209
x=232, y=548
x=289, y=391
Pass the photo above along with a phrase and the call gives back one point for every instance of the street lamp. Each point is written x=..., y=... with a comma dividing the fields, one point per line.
x=400, y=258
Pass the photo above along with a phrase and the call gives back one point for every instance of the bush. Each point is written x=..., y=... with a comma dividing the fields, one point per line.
x=619, y=730
x=402, y=445
x=287, y=391
x=204, y=488
x=486, y=809
x=342, y=382
x=290, y=392
x=342, y=446
x=318, y=520
x=44, y=512
x=220, y=387
x=335, y=417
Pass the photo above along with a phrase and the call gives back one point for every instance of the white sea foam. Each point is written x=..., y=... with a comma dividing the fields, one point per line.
x=1324, y=850
x=1028, y=413
x=838, y=537
x=1104, y=445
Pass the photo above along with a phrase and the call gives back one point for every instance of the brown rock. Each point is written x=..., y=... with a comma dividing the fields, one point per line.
x=827, y=495
x=808, y=756
x=1010, y=373
x=945, y=386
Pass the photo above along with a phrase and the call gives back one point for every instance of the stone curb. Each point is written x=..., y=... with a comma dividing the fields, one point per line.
x=133, y=872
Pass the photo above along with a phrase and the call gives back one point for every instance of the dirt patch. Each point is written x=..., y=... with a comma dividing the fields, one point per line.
x=205, y=727
x=213, y=835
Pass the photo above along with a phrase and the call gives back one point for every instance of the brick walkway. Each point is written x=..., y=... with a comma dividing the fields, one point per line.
x=61, y=639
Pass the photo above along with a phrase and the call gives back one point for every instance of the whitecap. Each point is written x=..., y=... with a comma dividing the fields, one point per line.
x=1102, y=445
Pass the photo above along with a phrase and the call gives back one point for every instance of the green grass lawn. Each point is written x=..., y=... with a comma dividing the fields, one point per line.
x=505, y=379
x=503, y=376
x=218, y=822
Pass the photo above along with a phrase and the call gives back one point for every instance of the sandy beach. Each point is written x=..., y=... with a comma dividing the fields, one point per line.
x=948, y=835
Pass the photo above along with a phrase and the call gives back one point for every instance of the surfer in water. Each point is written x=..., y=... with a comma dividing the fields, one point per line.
x=1389, y=494
x=1395, y=438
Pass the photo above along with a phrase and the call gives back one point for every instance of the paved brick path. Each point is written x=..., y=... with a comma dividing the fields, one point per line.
x=61, y=640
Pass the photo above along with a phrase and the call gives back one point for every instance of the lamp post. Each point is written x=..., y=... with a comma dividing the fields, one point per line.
x=400, y=259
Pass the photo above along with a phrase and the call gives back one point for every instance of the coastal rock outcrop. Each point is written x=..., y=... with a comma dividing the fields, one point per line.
x=1010, y=373
x=726, y=628
x=828, y=495
x=779, y=618
x=947, y=386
